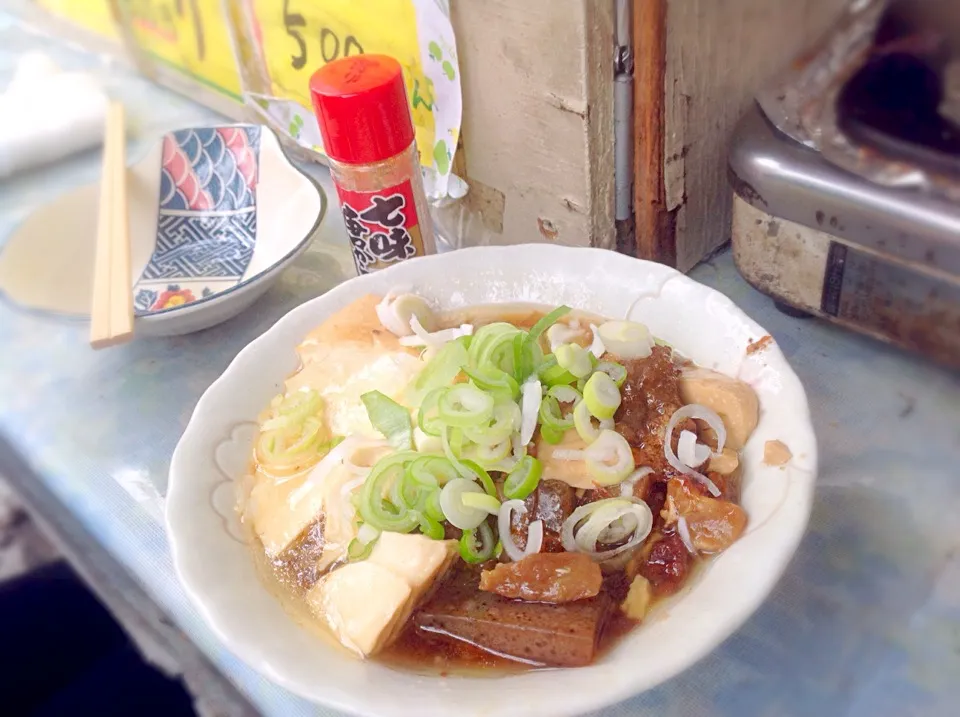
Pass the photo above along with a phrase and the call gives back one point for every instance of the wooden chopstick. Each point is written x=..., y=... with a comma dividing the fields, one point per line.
x=111, y=313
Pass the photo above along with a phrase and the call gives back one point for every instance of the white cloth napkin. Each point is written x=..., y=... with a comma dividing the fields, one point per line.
x=47, y=114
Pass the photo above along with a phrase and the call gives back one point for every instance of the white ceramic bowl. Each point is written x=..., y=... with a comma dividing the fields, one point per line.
x=216, y=569
x=216, y=214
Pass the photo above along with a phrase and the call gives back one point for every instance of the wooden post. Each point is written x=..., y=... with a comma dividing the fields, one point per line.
x=655, y=225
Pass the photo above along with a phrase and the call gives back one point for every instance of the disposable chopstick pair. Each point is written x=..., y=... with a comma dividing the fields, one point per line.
x=111, y=313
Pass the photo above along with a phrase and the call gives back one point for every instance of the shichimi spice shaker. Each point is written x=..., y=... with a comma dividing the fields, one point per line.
x=368, y=136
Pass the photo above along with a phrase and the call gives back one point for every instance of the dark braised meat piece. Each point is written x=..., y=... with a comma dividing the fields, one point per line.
x=556, y=500
x=552, y=502
x=650, y=395
x=545, y=577
x=563, y=635
x=666, y=565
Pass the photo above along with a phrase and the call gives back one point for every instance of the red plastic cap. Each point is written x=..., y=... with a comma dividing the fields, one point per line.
x=361, y=105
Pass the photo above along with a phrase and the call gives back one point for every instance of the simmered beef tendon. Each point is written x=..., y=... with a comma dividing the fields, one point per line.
x=563, y=635
x=555, y=502
x=552, y=502
x=714, y=524
x=650, y=395
x=545, y=577
x=666, y=565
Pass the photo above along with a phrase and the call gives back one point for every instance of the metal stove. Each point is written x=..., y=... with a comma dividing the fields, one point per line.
x=846, y=178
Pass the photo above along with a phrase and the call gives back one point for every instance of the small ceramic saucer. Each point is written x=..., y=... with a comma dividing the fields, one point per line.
x=216, y=213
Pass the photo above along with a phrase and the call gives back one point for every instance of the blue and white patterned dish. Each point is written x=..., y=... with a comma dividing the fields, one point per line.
x=229, y=216
x=216, y=213
x=207, y=224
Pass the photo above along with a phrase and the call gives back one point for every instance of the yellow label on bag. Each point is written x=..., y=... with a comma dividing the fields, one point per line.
x=91, y=15
x=297, y=37
x=192, y=36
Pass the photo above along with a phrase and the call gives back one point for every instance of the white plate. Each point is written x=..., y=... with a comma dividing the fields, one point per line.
x=216, y=569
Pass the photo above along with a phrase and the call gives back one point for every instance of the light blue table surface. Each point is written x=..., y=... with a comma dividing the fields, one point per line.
x=865, y=622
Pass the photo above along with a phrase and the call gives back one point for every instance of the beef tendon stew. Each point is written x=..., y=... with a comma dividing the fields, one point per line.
x=493, y=487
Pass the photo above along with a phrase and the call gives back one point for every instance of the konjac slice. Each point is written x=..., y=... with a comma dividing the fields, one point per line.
x=563, y=635
x=545, y=577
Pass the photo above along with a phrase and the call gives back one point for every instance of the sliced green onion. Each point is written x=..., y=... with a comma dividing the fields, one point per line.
x=448, y=451
x=532, y=358
x=614, y=370
x=357, y=550
x=431, y=528
x=427, y=417
x=552, y=417
x=406, y=493
x=565, y=394
x=432, y=471
x=432, y=508
x=505, y=420
x=551, y=435
x=275, y=449
x=477, y=545
x=556, y=421
x=390, y=418
x=481, y=501
x=552, y=374
x=292, y=410
x=481, y=475
x=294, y=436
x=601, y=395
x=440, y=372
x=492, y=347
x=463, y=406
x=457, y=441
x=493, y=380
x=380, y=482
x=626, y=339
x=575, y=359
x=583, y=422
x=454, y=510
x=547, y=321
x=420, y=481
x=523, y=479
x=518, y=367
x=489, y=455
x=609, y=459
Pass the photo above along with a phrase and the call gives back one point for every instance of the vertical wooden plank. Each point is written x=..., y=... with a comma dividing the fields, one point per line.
x=655, y=235
x=718, y=54
x=537, y=81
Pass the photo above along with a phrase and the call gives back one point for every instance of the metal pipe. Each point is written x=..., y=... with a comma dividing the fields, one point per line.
x=623, y=145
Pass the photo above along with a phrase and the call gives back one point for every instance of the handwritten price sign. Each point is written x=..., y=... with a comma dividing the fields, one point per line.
x=192, y=36
x=299, y=36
